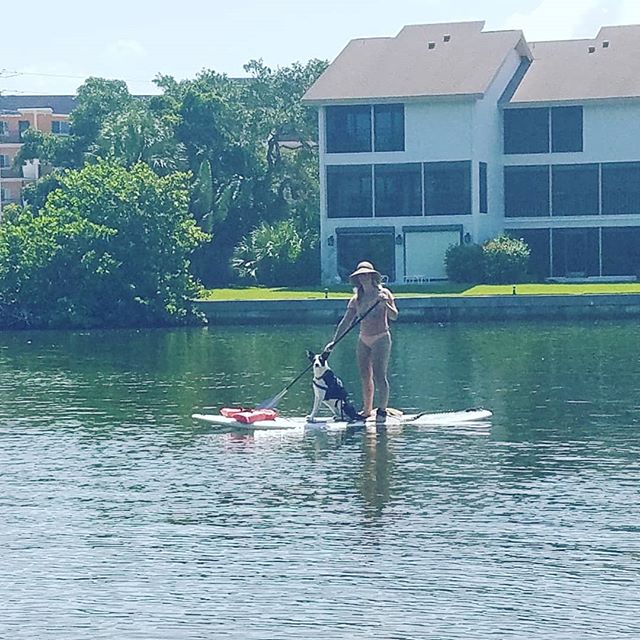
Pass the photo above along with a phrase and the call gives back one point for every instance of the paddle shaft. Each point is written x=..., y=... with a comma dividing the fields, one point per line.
x=270, y=404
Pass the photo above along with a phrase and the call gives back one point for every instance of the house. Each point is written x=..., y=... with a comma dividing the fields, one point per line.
x=449, y=134
x=17, y=114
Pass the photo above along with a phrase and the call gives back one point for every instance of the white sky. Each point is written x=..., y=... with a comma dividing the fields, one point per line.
x=51, y=47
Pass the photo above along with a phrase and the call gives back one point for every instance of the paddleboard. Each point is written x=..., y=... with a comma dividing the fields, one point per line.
x=444, y=419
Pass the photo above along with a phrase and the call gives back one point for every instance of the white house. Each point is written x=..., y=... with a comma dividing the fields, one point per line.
x=448, y=134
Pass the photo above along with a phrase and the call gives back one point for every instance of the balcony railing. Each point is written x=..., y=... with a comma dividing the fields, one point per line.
x=6, y=201
x=10, y=172
x=10, y=138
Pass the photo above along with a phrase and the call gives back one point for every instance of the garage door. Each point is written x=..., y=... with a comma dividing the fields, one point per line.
x=425, y=251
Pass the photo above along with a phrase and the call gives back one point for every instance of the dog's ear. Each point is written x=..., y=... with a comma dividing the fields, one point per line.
x=310, y=355
x=324, y=356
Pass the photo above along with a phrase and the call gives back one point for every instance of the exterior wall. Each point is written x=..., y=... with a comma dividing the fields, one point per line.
x=487, y=147
x=435, y=131
x=12, y=179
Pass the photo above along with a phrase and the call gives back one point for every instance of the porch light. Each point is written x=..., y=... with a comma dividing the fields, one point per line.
x=467, y=238
x=330, y=241
x=399, y=239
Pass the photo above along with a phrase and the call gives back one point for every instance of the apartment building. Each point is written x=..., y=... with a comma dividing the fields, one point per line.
x=17, y=114
x=449, y=134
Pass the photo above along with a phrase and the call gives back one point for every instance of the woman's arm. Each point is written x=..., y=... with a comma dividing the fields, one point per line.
x=387, y=297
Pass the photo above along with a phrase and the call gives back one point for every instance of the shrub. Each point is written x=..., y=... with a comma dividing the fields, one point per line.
x=506, y=260
x=465, y=263
x=274, y=255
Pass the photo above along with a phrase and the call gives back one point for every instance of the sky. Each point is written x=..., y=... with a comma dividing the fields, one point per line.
x=51, y=47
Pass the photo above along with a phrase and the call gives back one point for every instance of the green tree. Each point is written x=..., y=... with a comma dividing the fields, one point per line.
x=110, y=247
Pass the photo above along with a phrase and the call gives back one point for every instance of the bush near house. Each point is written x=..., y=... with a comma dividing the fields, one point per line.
x=501, y=260
x=465, y=263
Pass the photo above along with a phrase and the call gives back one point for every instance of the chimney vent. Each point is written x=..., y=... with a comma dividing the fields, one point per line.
x=591, y=49
x=431, y=45
x=605, y=44
x=446, y=37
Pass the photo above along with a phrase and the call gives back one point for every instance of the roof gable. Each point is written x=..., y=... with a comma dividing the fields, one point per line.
x=607, y=67
x=433, y=60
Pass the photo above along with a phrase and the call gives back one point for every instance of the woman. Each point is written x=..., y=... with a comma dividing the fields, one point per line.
x=374, y=342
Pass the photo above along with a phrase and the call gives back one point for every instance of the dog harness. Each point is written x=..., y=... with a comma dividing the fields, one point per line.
x=334, y=390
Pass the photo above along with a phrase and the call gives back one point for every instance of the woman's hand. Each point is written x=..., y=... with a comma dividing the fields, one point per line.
x=329, y=346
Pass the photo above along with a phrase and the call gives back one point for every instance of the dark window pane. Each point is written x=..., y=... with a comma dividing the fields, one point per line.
x=526, y=130
x=621, y=251
x=483, y=188
x=398, y=190
x=348, y=129
x=377, y=247
x=349, y=191
x=389, y=127
x=621, y=187
x=575, y=189
x=538, y=241
x=566, y=129
x=526, y=191
x=447, y=188
x=575, y=252
x=23, y=125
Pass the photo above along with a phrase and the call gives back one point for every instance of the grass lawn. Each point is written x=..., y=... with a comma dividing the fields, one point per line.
x=439, y=289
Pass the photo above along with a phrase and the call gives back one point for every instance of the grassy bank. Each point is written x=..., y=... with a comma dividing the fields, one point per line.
x=440, y=289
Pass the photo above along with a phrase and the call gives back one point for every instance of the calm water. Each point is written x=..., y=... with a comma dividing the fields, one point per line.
x=121, y=518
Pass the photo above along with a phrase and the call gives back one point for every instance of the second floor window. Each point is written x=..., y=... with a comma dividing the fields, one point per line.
x=543, y=129
x=388, y=127
x=4, y=128
x=364, y=128
x=23, y=125
x=60, y=127
x=349, y=129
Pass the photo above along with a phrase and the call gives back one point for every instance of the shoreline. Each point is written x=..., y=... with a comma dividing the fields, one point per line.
x=435, y=309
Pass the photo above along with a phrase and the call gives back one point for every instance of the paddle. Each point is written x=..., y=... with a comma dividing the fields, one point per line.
x=272, y=402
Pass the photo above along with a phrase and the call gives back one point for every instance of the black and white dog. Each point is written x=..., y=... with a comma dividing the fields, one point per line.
x=328, y=389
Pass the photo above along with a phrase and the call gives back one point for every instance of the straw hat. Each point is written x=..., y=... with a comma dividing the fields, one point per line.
x=363, y=268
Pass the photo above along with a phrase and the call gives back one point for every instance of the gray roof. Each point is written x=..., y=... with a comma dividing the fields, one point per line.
x=464, y=64
x=62, y=105
x=566, y=70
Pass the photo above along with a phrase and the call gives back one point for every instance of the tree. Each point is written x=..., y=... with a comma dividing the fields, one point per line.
x=110, y=247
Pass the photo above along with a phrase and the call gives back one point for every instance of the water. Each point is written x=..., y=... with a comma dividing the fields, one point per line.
x=121, y=518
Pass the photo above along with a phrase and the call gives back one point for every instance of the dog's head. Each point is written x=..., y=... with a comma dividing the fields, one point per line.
x=320, y=362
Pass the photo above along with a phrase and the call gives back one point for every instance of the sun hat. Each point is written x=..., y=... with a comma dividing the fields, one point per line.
x=364, y=268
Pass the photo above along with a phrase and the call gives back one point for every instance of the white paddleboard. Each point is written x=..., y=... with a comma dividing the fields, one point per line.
x=444, y=419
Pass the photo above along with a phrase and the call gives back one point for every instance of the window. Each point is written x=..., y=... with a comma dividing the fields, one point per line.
x=349, y=191
x=60, y=127
x=4, y=128
x=621, y=187
x=447, y=188
x=374, y=244
x=484, y=208
x=23, y=125
x=621, y=251
x=575, y=190
x=566, y=129
x=538, y=241
x=348, y=129
x=4, y=161
x=398, y=190
x=575, y=252
x=526, y=130
x=526, y=191
x=389, y=127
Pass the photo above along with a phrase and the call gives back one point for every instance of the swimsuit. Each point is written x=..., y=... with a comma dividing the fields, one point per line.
x=369, y=341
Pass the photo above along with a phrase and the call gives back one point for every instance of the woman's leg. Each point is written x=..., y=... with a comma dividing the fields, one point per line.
x=366, y=376
x=380, y=352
